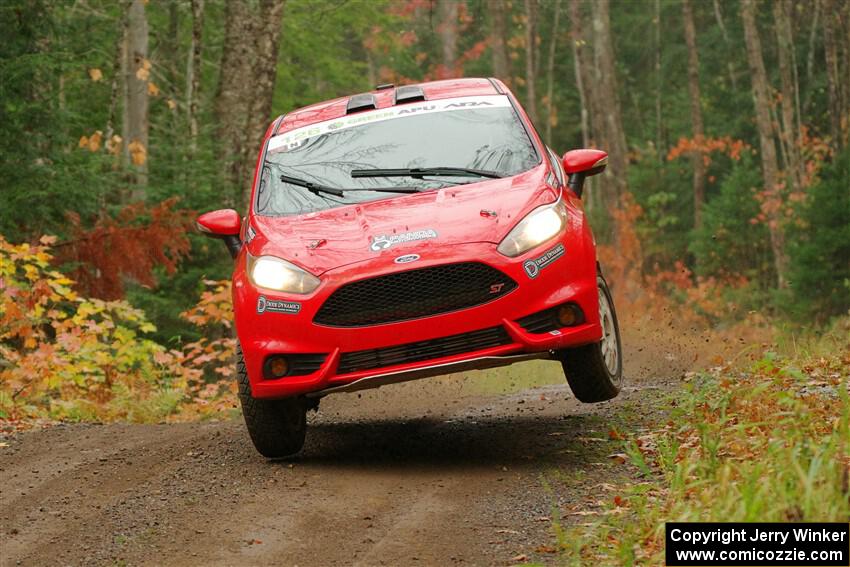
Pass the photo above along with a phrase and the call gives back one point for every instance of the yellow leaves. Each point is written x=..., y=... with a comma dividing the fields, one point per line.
x=94, y=352
x=153, y=90
x=138, y=152
x=92, y=143
x=172, y=104
x=31, y=272
x=143, y=72
x=96, y=75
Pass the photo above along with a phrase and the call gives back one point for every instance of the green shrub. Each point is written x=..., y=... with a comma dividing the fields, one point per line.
x=819, y=246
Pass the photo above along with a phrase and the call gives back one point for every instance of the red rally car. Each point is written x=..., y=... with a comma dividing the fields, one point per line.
x=405, y=233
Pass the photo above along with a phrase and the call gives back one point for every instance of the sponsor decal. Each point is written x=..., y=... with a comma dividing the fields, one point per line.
x=406, y=258
x=277, y=306
x=533, y=266
x=385, y=241
x=295, y=138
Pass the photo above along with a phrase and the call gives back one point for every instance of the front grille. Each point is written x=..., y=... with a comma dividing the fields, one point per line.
x=303, y=364
x=422, y=350
x=413, y=294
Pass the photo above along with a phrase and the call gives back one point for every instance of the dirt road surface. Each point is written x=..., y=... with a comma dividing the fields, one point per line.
x=449, y=471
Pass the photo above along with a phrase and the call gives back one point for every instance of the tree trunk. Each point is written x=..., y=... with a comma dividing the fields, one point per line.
x=810, y=56
x=831, y=30
x=550, y=73
x=577, y=42
x=530, y=64
x=193, y=74
x=788, y=130
x=447, y=11
x=591, y=131
x=138, y=69
x=119, y=78
x=660, y=146
x=770, y=168
x=696, y=110
x=606, y=91
x=498, y=46
x=719, y=17
x=246, y=85
x=268, y=29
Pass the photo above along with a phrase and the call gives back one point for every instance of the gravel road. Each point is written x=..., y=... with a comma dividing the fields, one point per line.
x=434, y=472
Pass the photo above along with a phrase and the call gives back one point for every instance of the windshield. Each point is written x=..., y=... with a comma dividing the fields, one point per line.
x=480, y=133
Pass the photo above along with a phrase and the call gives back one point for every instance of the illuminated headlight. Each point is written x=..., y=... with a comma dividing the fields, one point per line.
x=273, y=273
x=537, y=227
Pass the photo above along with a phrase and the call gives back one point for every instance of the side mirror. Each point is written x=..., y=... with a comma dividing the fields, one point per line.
x=579, y=164
x=224, y=224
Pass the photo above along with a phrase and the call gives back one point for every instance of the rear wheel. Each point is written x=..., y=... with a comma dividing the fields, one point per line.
x=277, y=427
x=595, y=371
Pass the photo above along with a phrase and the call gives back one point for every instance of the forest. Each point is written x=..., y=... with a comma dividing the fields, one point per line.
x=726, y=197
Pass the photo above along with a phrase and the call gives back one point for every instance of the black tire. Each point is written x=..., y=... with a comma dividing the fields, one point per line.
x=588, y=374
x=277, y=427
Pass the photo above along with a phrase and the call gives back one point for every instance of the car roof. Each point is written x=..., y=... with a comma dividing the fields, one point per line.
x=385, y=97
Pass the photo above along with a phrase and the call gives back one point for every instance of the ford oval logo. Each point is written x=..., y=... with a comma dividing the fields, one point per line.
x=406, y=258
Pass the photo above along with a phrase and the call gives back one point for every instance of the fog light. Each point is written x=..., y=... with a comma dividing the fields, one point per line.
x=278, y=367
x=569, y=315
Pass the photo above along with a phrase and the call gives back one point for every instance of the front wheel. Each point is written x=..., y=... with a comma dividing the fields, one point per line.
x=595, y=371
x=276, y=427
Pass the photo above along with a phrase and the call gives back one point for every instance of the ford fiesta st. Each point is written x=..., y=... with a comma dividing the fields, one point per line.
x=405, y=233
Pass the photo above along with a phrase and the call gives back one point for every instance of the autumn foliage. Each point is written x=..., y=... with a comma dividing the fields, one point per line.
x=130, y=245
x=73, y=357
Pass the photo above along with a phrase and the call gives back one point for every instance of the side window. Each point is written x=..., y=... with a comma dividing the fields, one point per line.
x=557, y=166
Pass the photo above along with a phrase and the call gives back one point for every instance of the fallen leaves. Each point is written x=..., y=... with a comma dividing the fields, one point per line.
x=619, y=458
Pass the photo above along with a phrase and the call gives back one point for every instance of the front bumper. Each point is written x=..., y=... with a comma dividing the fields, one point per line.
x=291, y=330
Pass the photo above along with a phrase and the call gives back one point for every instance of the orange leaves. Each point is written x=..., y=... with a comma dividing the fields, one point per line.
x=211, y=357
x=215, y=306
x=143, y=71
x=113, y=145
x=706, y=146
x=138, y=152
x=91, y=143
x=153, y=90
x=96, y=75
x=131, y=245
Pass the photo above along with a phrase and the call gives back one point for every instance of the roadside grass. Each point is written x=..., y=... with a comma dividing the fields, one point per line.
x=770, y=442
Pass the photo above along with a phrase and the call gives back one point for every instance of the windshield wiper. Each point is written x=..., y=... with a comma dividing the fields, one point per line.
x=314, y=188
x=317, y=188
x=419, y=172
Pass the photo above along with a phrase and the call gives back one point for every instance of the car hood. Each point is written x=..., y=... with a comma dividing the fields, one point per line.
x=479, y=212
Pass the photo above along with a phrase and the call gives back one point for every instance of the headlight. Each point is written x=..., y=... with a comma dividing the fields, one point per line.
x=273, y=273
x=537, y=227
